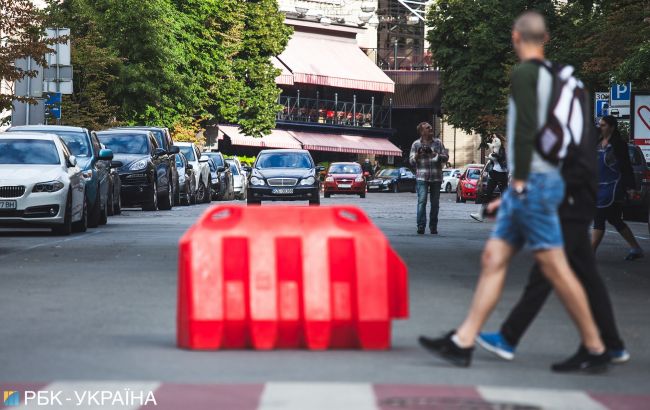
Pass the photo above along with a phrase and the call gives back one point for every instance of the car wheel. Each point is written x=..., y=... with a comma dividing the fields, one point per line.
x=152, y=205
x=327, y=194
x=94, y=218
x=110, y=204
x=117, y=208
x=362, y=195
x=315, y=201
x=242, y=196
x=207, y=198
x=103, y=216
x=251, y=201
x=448, y=188
x=395, y=187
x=66, y=227
x=177, y=194
x=166, y=202
x=82, y=224
x=201, y=193
x=457, y=197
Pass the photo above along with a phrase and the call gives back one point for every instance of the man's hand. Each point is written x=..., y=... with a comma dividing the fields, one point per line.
x=493, y=206
x=518, y=185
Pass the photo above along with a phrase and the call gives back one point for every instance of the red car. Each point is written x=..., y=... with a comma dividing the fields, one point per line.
x=466, y=188
x=345, y=178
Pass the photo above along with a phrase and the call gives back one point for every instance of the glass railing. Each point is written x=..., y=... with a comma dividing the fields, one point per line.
x=334, y=112
x=400, y=59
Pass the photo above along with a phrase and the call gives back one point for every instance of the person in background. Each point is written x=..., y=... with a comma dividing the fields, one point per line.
x=616, y=179
x=367, y=167
x=498, y=174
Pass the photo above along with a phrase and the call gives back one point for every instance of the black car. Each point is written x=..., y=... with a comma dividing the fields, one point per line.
x=637, y=205
x=215, y=183
x=186, y=179
x=96, y=168
x=284, y=175
x=115, y=202
x=481, y=185
x=393, y=180
x=143, y=174
x=226, y=189
x=164, y=140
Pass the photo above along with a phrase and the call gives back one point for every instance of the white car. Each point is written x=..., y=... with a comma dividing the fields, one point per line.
x=450, y=178
x=240, y=181
x=41, y=184
x=201, y=170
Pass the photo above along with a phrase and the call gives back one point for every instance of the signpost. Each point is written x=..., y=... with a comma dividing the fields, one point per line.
x=619, y=101
x=640, y=124
x=601, y=105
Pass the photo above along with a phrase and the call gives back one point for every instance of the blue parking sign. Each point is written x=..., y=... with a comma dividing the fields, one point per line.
x=620, y=95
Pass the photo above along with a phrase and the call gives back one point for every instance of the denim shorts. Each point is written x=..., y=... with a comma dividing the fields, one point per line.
x=532, y=219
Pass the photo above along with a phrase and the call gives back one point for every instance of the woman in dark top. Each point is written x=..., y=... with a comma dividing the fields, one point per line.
x=615, y=180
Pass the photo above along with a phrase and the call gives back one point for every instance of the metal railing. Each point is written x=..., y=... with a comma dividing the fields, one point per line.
x=400, y=58
x=335, y=112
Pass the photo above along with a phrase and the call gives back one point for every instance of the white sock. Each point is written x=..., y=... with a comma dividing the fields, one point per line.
x=456, y=341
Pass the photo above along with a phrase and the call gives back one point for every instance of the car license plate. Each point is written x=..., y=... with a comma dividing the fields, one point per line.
x=373, y=186
x=8, y=204
x=282, y=191
x=345, y=185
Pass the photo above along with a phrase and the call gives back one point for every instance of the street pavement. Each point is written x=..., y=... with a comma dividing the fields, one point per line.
x=98, y=309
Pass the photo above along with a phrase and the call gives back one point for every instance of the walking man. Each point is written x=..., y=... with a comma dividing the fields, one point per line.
x=428, y=154
x=528, y=214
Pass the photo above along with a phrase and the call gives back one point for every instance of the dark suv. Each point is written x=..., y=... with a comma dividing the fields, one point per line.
x=164, y=140
x=143, y=173
x=226, y=190
x=284, y=175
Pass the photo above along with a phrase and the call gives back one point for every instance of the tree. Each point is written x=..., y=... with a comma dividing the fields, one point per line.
x=22, y=29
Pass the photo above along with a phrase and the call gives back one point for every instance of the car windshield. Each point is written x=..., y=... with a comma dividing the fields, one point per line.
x=283, y=160
x=77, y=142
x=217, y=159
x=28, y=152
x=125, y=143
x=389, y=172
x=345, y=169
x=179, y=161
x=188, y=151
x=473, y=173
x=446, y=173
x=233, y=168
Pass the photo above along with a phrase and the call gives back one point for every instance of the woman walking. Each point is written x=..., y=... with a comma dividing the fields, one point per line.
x=615, y=179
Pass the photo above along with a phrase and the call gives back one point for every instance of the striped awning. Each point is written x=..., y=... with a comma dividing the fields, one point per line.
x=285, y=77
x=276, y=139
x=353, y=144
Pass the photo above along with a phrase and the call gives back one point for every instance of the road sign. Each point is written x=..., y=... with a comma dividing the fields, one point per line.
x=53, y=98
x=53, y=106
x=601, y=104
x=28, y=114
x=29, y=86
x=640, y=124
x=620, y=95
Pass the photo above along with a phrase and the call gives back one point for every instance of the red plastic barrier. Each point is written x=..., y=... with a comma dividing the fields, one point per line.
x=288, y=277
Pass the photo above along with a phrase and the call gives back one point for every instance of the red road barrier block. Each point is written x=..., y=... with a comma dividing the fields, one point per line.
x=288, y=277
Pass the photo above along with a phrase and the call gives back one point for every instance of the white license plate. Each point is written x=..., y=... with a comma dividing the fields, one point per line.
x=282, y=191
x=345, y=185
x=8, y=205
x=373, y=186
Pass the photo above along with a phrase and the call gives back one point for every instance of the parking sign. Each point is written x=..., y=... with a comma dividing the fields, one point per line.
x=601, y=104
x=620, y=95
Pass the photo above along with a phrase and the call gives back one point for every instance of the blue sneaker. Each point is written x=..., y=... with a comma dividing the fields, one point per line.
x=619, y=356
x=495, y=343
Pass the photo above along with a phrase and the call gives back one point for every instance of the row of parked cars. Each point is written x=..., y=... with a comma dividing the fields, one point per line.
x=69, y=178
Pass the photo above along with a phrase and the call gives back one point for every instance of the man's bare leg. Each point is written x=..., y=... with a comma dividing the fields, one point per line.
x=596, y=237
x=494, y=263
x=555, y=267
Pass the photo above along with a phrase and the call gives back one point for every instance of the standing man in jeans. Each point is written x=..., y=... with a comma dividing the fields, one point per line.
x=528, y=214
x=427, y=155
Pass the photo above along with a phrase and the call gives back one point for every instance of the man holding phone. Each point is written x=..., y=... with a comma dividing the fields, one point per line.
x=427, y=155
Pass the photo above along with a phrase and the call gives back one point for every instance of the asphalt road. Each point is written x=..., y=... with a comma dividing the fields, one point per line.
x=101, y=306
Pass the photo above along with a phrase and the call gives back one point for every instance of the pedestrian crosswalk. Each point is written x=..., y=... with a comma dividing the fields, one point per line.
x=124, y=395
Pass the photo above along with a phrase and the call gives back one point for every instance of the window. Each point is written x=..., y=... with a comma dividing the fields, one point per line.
x=28, y=152
x=284, y=160
x=125, y=143
x=473, y=173
x=188, y=151
x=391, y=172
x=345, y=169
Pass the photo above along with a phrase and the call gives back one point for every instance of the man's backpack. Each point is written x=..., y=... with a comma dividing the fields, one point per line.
x=565, y=122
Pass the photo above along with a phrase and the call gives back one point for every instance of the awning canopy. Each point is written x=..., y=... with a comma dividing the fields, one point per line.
x=276, y=139
x=353, y=144
x=286, y=77
x=333, y=61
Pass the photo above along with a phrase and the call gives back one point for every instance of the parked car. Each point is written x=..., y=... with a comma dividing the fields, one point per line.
x=144, y=177
x=186, y=179
x=215, y=184
x=41, y=184
x=637, y=206
x=95, y=167
x=284, y=175
x=450, y=178
x=345, y=178
x=240, y=181
x=466, y=188
x=226, y=189
x=481, y=185
x=115, y=203
x=202, y=178
x=164, y=140
x=393, y=180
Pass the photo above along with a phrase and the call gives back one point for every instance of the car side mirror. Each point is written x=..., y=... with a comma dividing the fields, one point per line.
x=116, y=164
x=72, y=161
x=221, y=169
x=320, y=168
x=247, y=168
x=174, y=149
x=105, y=155
x=158, y=152
x=189, y=166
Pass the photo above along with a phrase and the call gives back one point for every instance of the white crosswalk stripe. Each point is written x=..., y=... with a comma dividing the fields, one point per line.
x=544, y=398
x=318, y=396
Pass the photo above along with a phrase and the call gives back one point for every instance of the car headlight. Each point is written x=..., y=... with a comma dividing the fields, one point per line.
x=49, y=186
x=87, y=175
x=386, y=182
x=308, y=181
x=358, y=179
x=257, y=181
x=469, y=186
x=138, y=165
x=329, y=179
